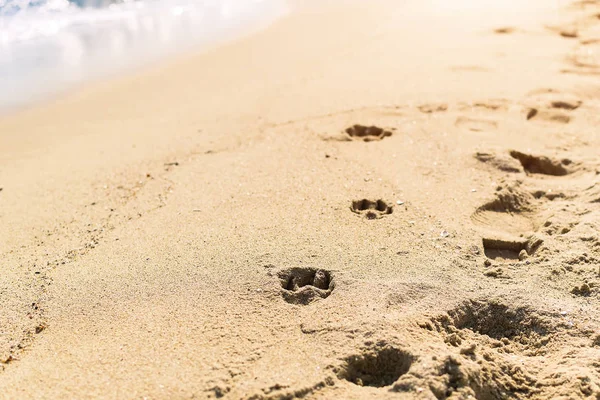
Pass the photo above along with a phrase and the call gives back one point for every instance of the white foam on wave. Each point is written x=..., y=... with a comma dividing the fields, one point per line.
x=48, y=47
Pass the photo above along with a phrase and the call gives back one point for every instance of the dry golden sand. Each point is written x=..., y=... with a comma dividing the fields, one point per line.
x=220, y=227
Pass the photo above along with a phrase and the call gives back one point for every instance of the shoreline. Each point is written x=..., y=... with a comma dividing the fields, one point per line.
x=100, y=90
x=115, y=43
x=210, y=227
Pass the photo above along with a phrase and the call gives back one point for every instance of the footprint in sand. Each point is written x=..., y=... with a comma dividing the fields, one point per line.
x=568, y=31
x=508, y=224
x=502, y=162
x=544, y=115
x=518, y=326
x=367, y=133
x=487, y=105
x=543, y=165
x=489, y=333
x=498, y=341
x=376, y=367
x=506, y=221
x=305, y=285
x=517, y=161
x=510, y=249
x=371, y=209
x=585, y=289
x=433, y=108
x=551, y=106
x=497, y=319
x=511, y=212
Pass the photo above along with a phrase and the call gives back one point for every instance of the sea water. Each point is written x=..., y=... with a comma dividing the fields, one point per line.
x=48, y=46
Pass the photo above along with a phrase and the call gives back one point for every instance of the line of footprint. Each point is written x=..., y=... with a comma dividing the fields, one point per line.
x=514, y=227
x=512, y=220
x=520, y=218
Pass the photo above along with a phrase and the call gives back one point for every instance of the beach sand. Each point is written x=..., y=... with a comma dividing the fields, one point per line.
x=383, y=199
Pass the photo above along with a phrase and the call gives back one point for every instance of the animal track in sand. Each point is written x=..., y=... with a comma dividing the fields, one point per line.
x=499, y=161
x=542, y=164
x=547, y=116
x=379, y=367
x=497, y=104
x=504, y=249
x=509, y=223
x=367, y=133
x=433, y=108
x=498, y=320
x=476, y=125
x=566, y=105
x=305, y=285
x=371, y=209
x=510, y=212
x=585, y=289
x=505, y=221
x=500, y=342
x=489, y=379
x=568, y=31
x=551, y=105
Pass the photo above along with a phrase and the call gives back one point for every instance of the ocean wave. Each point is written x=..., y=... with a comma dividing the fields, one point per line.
x=48, y=45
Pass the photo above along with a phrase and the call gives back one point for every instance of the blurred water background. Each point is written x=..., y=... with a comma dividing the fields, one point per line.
x=48, y=46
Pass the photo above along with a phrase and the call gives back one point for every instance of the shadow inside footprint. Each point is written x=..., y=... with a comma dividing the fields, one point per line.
x=371, y=209
x=510, y=249
x=377, y=368
x=566, y=105
x=499, y=320
x=503, y=249
x=510, y=212
x=305, y=285
x=367, y=133
x=433, y=108
x=501, y=162
x=541, y=164
x=550, y=116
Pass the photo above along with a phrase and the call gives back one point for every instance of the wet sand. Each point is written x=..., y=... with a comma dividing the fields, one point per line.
x=362, y=201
